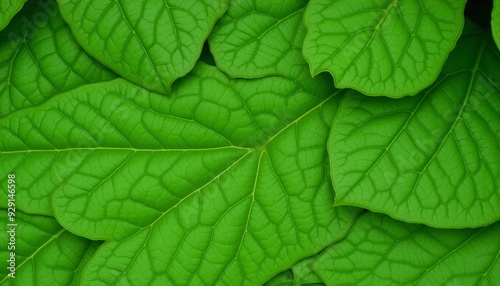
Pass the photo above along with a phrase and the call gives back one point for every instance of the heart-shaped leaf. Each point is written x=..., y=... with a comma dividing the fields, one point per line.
x=259, y=38
x=384, y=47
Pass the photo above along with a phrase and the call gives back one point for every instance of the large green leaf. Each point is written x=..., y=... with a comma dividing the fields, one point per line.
x=383, y=47
x=432, y=158
x=39, y=58
x=46, y=253
x=495, y=22
x=224, y=182
x=383, y=251
x=260, y=37
x=9, y=8
x=150, y=43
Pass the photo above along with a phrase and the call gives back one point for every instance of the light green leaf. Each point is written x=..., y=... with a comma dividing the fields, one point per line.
x=260, y=37
x=495, y=22
x=223, y=182
x=382, y=251
x=432, y=158
x=384, y=47
x=45, y=253
x=39, y=58
x=150, y=43
x=9, y=8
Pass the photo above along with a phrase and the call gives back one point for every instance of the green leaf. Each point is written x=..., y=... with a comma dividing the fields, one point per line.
x=260, y=37
x=223, y=182
x=432, y=158
x=382, y=251
x=150, y=43
x=385, y=47
x=8, y=9
x=495, y=22
x=39, y=58
x=45, y=253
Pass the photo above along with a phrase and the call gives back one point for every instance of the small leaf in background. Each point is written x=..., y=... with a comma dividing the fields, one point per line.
x=9, y=8
x=381, y=251
x=385, y=47
x=260, y=37
x=223, y=182
x=150, y=43
x=91, y=250
x=495, y=22
x=39, y=58
x=432, y=158
x=304, y=273
x=301, y=273
x=46, y=253
x=284, y=278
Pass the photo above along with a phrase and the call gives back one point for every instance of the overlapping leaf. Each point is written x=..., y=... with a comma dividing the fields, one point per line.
x=8, y=9
x=39, y=58
x=432, y=158
x=224, y=182
x=46, y=253
x=284, y=278
x=382, y=251
x=260, y=37
x=495, y=22
x=385, y=47
x=151, y=43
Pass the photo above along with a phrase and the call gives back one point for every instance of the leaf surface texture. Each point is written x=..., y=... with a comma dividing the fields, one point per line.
x=382, y=251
